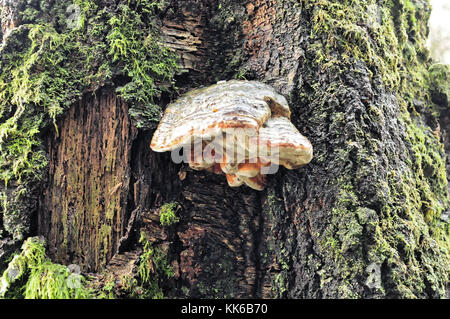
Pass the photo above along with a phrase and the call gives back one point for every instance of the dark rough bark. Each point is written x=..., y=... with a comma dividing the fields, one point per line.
x=361, y=220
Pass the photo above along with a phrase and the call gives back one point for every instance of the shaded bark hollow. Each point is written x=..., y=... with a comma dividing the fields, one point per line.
x=84, y=207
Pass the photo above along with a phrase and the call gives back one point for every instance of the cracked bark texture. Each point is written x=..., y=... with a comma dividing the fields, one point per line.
x=83, y=213
x=322, y=231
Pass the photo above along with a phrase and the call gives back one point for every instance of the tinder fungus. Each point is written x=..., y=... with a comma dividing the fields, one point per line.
x=238, y=128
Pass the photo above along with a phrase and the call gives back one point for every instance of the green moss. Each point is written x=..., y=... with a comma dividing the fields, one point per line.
x=32, y=275
x=15, y=222
x=109, y=288
x=346, y=27
x=168, y=215
x=153, y=268
x=275, y=216
x=141, y=58
x=440, y=84
x=153, y=260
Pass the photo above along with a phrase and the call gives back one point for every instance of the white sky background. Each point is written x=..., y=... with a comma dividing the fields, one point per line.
x=440, y=30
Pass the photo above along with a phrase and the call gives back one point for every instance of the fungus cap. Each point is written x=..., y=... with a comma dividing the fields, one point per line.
x=285, y=143
x=210, y=111
x=236, y=128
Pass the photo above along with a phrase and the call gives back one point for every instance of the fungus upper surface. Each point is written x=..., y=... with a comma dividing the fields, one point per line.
x=236, y=128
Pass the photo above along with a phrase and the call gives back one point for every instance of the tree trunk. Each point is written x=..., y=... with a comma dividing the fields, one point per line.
x=365, y=219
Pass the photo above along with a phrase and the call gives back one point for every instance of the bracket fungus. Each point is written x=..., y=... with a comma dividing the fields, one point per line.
x=238, y=128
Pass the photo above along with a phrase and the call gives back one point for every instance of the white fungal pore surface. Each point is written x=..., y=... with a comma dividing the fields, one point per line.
x=238, y=128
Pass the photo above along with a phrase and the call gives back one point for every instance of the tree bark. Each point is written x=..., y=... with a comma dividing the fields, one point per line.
x=84, y=210
x=362, y=220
